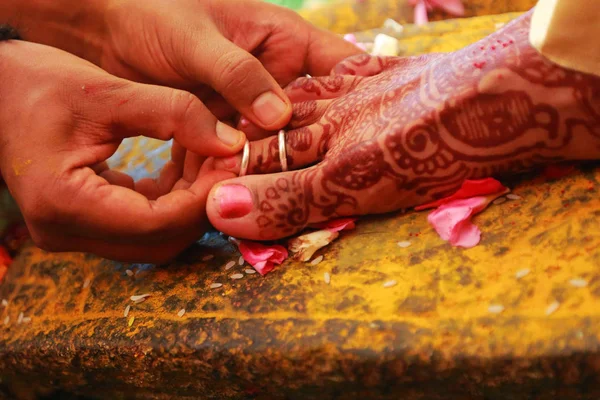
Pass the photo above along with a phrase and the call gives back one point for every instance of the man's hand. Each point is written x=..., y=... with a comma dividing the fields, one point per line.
x=234, y=55
x=62, y=117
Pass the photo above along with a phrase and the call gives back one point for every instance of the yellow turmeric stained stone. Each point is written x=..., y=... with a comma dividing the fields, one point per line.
x=500, y=320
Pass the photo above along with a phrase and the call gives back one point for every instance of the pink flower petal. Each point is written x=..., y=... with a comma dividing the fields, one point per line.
x=452, y=221
x=361, y=46
x=263, y=258
x=467, y=235
x=421, y=13
x=454, y=7
x=336, y=225
x=349, y=37
x=469, y=188
x=5, y=261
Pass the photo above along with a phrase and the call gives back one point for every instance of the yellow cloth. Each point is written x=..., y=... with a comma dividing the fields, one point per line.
x=567, y=31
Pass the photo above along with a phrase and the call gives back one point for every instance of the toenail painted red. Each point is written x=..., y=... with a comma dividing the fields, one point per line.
x=235, y=201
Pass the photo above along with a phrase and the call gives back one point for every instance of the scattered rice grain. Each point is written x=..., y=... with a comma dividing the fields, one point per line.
x=4, y=303
x=389, y=284
x=139, y=297
x=237, y=276
x=215, y=285
x=6, y=320
x=552, y=307
x=374, y=325
x=578, y=282
x=131, y=321
x=208, y=257
x=327, y=277
x=512, y=196
x=87, y=283
x=26, y=319
x=404, y=244
x=181, y=312
x=499, y=200
x=20, y=319
x=126, y=313
x=495, y=308
x=522, y=273
x=229, y=265
x=316, y=260
x=129, y=272
x=250, y=271
x=241, y=260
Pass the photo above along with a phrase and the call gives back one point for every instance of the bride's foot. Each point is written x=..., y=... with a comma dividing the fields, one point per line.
x=399, y=132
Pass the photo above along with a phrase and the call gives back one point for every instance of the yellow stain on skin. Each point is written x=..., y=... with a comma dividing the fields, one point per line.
x=20, y=166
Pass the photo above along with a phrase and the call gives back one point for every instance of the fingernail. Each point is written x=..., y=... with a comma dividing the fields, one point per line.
x=228, y=135
x=235, y=201
x=228, y=163
x=269, y=108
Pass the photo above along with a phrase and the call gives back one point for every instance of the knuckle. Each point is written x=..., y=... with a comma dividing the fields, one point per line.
x=237, y=70
x=182, y=105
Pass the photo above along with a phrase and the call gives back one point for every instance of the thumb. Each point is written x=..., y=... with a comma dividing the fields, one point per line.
x=244, y=82
x=325, y=50
x=134, y=109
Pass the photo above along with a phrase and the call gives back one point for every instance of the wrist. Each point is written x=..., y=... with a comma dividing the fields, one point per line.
x=76, y=27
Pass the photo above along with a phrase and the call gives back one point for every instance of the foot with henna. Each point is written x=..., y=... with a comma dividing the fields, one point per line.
x=384, y=133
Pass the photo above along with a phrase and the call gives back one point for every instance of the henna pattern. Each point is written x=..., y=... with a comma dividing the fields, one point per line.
x=302, y=111
x=493, y=120
x=299, y=140
x=264, y=161
x=285, y=205
x=414, y=128
x=319, y=86
x=362, y=169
